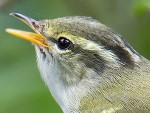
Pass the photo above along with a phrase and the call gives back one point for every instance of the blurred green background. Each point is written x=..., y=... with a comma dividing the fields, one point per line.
x=21, y=88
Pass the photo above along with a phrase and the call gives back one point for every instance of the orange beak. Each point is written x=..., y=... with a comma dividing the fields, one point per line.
x=35, y=38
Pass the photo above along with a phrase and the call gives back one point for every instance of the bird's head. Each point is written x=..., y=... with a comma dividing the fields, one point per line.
x=76, y=47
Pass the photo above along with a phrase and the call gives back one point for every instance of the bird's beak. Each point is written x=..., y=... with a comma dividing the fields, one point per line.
x=35, y=38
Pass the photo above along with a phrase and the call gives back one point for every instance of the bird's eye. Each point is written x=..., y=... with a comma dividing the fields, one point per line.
x=64, y=43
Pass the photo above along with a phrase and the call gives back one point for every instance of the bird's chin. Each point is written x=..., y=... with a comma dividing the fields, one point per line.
x=44, y=61
x=42, y=52
x=50, y=72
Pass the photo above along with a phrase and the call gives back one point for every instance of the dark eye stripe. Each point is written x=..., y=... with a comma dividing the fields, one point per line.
x=90, y=58
x=122, y=54
x=102, y=38
x=52, y=40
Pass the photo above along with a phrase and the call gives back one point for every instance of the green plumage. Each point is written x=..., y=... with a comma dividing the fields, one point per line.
x=89, y=68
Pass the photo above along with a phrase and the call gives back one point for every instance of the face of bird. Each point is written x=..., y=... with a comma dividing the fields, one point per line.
x=75, y=47
x=81, y=59
x=76, y=51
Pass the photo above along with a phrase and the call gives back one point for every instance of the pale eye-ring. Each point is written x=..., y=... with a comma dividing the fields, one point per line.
x=64, y=43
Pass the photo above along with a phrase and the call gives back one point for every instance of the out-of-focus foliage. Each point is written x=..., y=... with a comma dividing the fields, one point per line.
x=21, y=88
x=141, y=6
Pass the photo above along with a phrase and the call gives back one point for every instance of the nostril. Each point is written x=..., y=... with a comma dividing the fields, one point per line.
x=35, y=25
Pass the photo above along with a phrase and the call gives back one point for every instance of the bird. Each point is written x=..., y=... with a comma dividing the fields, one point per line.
x=87, y=66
